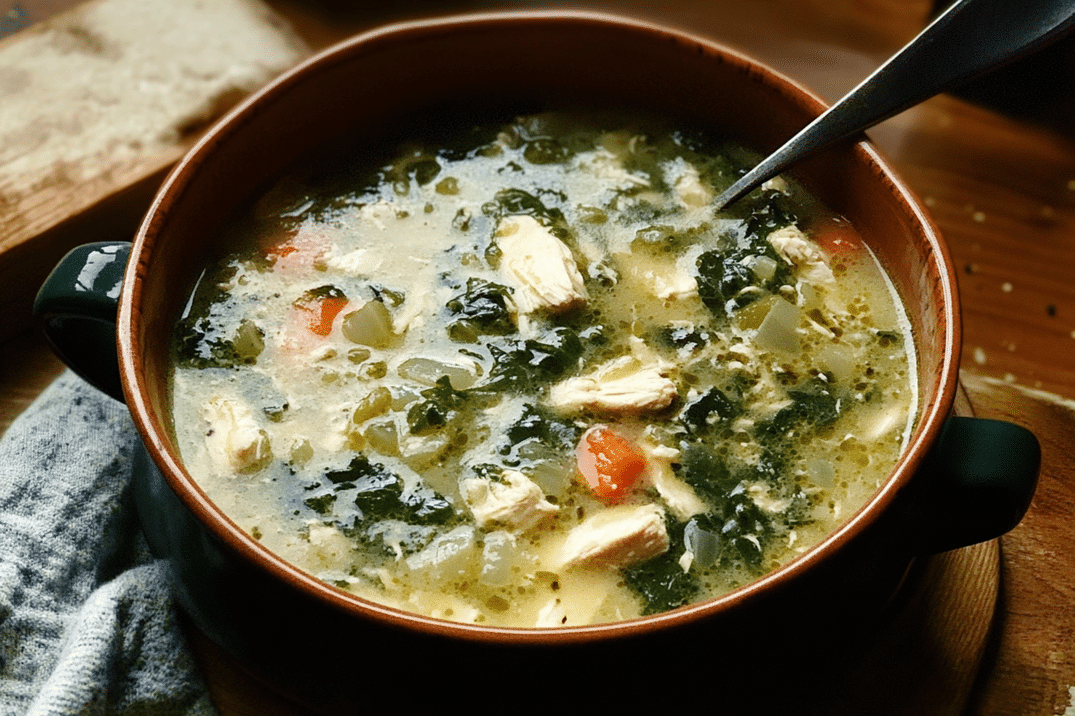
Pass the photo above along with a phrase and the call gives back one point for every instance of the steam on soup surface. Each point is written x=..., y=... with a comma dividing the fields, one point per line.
x=529, y=377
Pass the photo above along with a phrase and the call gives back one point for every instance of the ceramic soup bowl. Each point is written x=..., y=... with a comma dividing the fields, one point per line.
x=960, y=480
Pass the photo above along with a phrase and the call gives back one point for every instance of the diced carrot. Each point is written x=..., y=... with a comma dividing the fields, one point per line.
x=610, y=464
x=837, y=237
x=320, y=313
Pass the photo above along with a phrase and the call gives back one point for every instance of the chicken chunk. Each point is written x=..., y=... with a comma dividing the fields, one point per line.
x=539, y=266
x=690, y=191
x=608, y=166
x=358, y=263
x=797, y=250
x=616, y=538
x=622, y=387
x=517, y=503
x=235, y=441
x=680, y=497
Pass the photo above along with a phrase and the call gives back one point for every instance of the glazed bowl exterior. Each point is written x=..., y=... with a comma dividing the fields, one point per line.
x=315, y=640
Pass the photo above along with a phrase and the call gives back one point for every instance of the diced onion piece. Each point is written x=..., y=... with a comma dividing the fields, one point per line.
x=370, y=325
x=249, y=341
x=750, y=316
x=374, y=403
x=428, y=371
x=820, y=472
x=704, y=544
x=764, y=267
x=837, y=358
x=383, y=437
x=777, y=331
x=448, y=558
x=499, y=554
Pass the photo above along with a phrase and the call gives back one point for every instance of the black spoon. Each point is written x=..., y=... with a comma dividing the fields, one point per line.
x=968, y=39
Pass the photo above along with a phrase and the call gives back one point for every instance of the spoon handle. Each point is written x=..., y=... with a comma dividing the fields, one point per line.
x=969, y=38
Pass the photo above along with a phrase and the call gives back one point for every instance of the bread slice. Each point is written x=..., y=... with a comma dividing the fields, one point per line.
x=97, y=104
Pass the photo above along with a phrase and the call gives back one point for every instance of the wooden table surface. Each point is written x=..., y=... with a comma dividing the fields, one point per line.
x=994, y=626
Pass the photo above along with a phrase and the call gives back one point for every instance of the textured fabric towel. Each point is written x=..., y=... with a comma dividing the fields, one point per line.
x=87, y=622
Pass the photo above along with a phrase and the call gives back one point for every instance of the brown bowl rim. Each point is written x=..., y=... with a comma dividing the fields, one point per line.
x=152, y=429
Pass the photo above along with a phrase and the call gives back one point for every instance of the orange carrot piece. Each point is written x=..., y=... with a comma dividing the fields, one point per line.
x=320, y=313
x=610, y=464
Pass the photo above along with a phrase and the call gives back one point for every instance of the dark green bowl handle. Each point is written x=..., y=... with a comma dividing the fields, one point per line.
x=975, y=485
x=76, y=308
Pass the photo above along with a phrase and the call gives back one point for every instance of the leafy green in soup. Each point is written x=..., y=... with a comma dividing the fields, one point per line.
x=530, y=377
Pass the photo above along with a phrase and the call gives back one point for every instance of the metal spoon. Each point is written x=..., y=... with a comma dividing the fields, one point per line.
x=969, y=38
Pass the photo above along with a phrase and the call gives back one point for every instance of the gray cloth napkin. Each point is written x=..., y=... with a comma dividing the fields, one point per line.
x=87, y=622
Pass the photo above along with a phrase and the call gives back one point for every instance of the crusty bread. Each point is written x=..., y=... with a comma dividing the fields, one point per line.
x=96, y=103
x=111, y=78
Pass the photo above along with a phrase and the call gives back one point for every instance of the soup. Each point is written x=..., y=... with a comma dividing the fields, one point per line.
x=523, y=374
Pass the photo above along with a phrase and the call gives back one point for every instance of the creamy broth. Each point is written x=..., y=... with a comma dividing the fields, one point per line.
x=529, y=377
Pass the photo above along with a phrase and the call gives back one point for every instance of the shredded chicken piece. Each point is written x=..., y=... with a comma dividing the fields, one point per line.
x=355, y=263
x=517, y=503
x=235, y=440
x=608, y=165
x=539, y=266
x=616, y=538
x=611, y=389
x=675, y=493
x=690, y=191
x=797, y=250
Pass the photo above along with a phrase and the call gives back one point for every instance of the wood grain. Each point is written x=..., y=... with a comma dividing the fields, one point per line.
x=99, y=102
x=1003, y=195
x=1034, y=663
